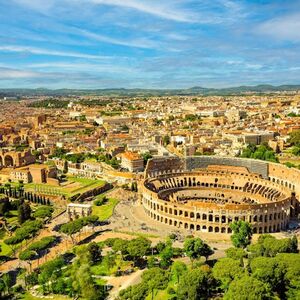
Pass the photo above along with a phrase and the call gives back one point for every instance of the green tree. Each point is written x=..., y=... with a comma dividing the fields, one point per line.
x=193, y=285
x=294, y=138
x=236, y=253
x=94, y=252
x=248, y=288
x=194, y=248
x=166, y=256
x=242, y=234
x=120, y=245
x=8, y=282
x=155, y=278
x=24, y=212
x=227, y=269
x=82, y=280
x=166, y=140
x=271, y=271
x=178, y=268
x=134, y=292
x=138, y=248
x=268, y=245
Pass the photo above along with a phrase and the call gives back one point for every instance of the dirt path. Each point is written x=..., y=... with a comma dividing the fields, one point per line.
x=123, y=282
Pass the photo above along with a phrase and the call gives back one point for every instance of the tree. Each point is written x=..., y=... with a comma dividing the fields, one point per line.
x=166, y=256
x=236, y=253
x=242, y=234
x=27, y=255
x=194, y=284
x=4, y=204
x=138, y=247
x=27, y=210
x=178, y=268
x=227, y=269
x=206, y=251
x=2, y=287
x=8, y=282
x=120, y=245
x=195, y=248
x=94, y=252
x=271, y=271
x=247, y=288
x=166, y=140
x=65, y=168
x=134, y=292
x=146, y=156
x=155, y=278
x=295, y=138
x=268, y=245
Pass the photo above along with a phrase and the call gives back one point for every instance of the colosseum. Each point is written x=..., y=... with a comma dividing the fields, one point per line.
x=207, y=193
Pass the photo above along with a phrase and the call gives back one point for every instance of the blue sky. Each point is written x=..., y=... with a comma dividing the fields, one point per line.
x=148, y=43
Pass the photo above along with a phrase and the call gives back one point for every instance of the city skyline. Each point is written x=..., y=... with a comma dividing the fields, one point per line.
x=148, y=44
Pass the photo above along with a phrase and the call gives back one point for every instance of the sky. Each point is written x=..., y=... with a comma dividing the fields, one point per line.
x=148, y=43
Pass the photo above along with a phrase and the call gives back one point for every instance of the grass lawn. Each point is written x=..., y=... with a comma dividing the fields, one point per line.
x=102, y=269
x=106, y=210
x=5, y=249
x=73, y=186
x=28, y=296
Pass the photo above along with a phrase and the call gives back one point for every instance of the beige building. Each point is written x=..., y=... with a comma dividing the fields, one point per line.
x=35, y=173
x=132, y=161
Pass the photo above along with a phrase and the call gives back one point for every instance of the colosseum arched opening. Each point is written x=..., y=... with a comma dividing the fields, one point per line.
x=8, y=161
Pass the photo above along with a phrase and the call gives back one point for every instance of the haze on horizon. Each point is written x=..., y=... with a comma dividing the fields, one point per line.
x=148, y=44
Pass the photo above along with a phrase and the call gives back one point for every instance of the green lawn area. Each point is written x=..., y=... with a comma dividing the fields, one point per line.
x=103, y=269
x=105, y=211
x=73, y=186
x=28, y=296
x=5, y=249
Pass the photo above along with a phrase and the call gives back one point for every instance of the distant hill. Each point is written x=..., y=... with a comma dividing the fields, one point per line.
x=149, y=92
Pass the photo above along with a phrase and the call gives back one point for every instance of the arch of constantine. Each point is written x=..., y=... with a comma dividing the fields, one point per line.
x=206, y=194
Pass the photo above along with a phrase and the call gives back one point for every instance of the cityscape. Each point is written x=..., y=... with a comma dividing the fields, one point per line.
x=138, y=162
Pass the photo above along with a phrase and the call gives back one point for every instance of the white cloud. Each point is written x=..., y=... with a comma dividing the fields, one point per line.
x=7, y=73
x=282, y=28
x=138, y=43
x=41, y=51
x=160, y=9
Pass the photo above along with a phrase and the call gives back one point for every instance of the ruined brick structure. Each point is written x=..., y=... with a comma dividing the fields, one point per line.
x=12, y=158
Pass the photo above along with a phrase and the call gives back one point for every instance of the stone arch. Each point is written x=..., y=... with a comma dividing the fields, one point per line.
x=217, y=229
x=210, y=229
x=8, y=161
x=223, y=230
